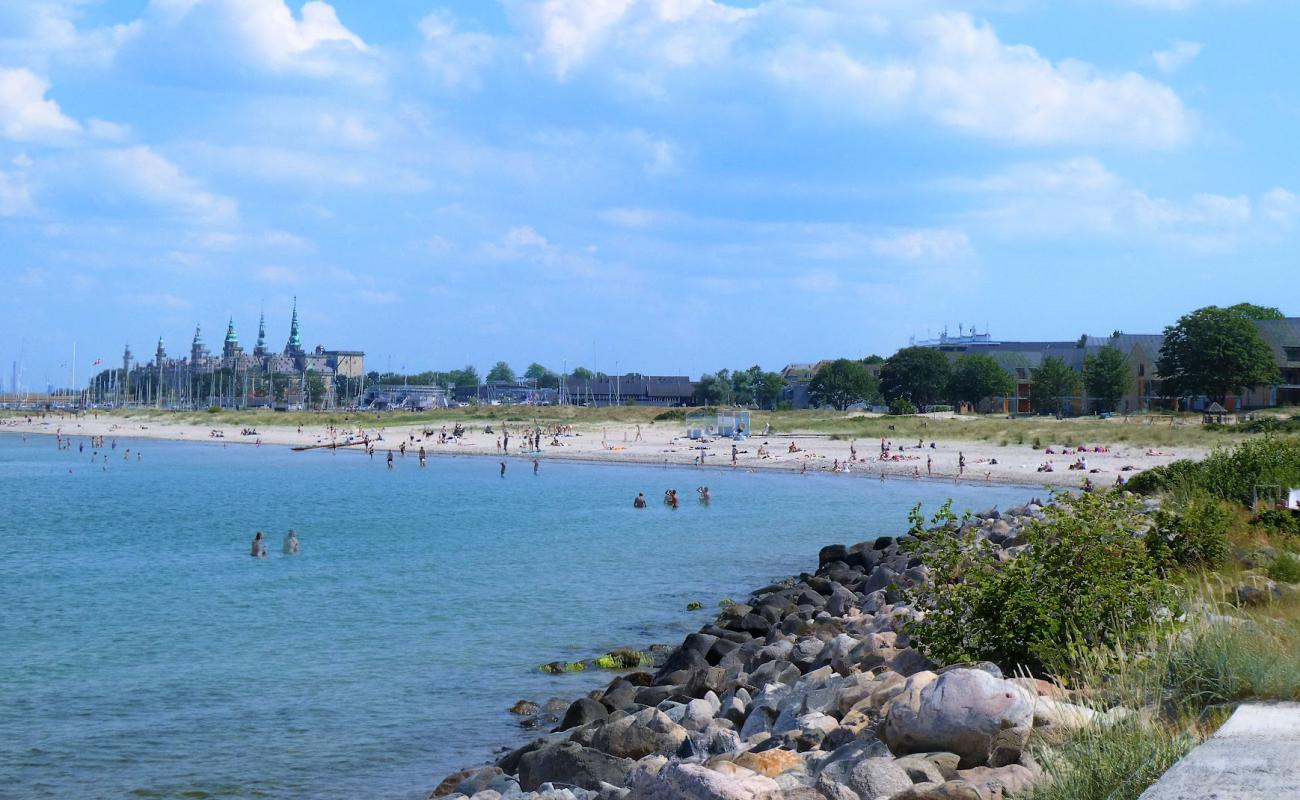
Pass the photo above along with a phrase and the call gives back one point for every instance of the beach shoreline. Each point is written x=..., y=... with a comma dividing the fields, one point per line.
x=665, y=445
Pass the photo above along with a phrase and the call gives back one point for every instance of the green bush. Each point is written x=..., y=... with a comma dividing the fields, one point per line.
x=901, y=407
x=1278, y=521
x=1086, y=581
x=1285, y=568
x=1190, y=533
x=670, y=415
x=214, y=409
x=1230, y=474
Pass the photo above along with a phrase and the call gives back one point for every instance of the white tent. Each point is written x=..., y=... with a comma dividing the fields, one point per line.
x=1293, y=500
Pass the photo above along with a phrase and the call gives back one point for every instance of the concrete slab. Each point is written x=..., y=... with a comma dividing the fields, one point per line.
x=1255, y=755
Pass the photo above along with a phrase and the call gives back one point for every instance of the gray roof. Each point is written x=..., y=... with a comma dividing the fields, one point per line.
x=1280, y=334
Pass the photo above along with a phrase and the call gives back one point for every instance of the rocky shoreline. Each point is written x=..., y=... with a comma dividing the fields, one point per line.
x=809, y=690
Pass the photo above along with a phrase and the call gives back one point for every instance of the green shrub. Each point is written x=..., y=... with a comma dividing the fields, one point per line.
x=214, y=409
x=901, y=407
x=670, y=415
x=785, y=405
x=1278, y=521
x=1285, y=568
x=1230, y=474
x=1190, y=533
x=1086, y=581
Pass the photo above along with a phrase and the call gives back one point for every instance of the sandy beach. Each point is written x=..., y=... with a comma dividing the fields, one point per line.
x=663, y=443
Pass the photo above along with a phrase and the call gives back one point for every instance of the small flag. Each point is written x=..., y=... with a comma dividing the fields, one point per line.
x=98, y=361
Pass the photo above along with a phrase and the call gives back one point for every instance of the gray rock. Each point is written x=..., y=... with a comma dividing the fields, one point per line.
x=583, y=711
x=571, y=763
x=874, y=777
x=646, y=732
x=678, y=781
x=984, y=720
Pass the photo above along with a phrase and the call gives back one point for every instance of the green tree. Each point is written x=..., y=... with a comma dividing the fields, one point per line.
x=1053, y=381
x=467, y=376
x=543, y=377
x=582, y=374
x=744, y=383
x=770, y=389
x=842, y=383
x=502, y=372
x=714, y=389
x=1215, y=352
x=1107, y=376
x=1252, y=311
x=977, y=376
x=919, y=374
x=315, y=386
x=873, y=359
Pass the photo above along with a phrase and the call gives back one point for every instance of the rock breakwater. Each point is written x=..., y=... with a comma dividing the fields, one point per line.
x=811, y=689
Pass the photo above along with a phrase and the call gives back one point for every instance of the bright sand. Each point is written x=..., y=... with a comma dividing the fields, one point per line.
x=666, y=443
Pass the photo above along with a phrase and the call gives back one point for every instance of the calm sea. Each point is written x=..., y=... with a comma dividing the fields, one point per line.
x=143, y=653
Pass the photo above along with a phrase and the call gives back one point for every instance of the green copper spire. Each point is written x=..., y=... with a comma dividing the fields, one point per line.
x=295, y=339
x=230, y=332
x=261, y=332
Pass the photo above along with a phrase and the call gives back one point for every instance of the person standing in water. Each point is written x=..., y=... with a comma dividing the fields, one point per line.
x=424, y=462
x=639, y=502
x=259, y=546
x=291, y=543
x=536, y=465
x=503, y=469
x=390, y=459
x=704, y=494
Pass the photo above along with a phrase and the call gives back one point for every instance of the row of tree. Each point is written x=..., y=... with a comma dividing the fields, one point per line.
x=743, y=387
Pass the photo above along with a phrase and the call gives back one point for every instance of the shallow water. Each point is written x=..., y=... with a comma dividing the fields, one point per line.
x=144, y=653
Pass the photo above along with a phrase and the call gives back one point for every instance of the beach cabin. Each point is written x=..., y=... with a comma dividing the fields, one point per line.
x=732, y=424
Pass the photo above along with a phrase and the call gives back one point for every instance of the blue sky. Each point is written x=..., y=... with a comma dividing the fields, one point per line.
x=672, y=185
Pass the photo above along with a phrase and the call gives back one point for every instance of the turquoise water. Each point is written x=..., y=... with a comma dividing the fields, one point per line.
x=143, y=653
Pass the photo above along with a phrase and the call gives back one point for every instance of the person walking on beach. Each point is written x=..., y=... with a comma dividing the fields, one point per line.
x=961, y=463
x=734, y=451
x=639, y=502
x=929, y=462
x=259, y=546
x=638, y=432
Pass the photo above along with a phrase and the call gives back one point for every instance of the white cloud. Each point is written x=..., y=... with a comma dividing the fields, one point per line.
x=153, y=179
x=454, y=58
x=674, y=33
x=524, y=236
x=158, y=300
x=262, y=33
x=350, y=129
x=286, y=276
x=15, y=196
x=1082, y=198
x=107, y=131
x=40, y=31
x=817, y=281
x=26, y=114
x=936, y=244
x=1280, y=206
x=1163, y=5
x=1177, y=56
x=898, y=60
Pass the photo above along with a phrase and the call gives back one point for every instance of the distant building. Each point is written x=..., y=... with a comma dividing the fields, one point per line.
x=234, y=377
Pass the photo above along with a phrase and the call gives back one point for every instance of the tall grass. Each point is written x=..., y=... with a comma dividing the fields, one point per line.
x=1179, y=688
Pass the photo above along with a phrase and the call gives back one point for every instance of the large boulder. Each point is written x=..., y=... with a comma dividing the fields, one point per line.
x=678, y=781
x=584, y=710
x=877, y=777
x=571, y=763
x=985, y=720
x=646, y=732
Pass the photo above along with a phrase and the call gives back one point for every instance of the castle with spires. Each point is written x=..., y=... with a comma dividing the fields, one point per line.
x=238, y=377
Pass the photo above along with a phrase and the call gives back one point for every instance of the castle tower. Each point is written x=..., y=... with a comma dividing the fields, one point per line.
x=160, y=355
x=230, y=349
x=293, y=347
x=259, y=349
x=198, y=353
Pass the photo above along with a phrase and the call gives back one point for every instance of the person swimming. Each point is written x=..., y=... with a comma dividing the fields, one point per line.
x=291, y=543
x=259, y=546
x=639, y=502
